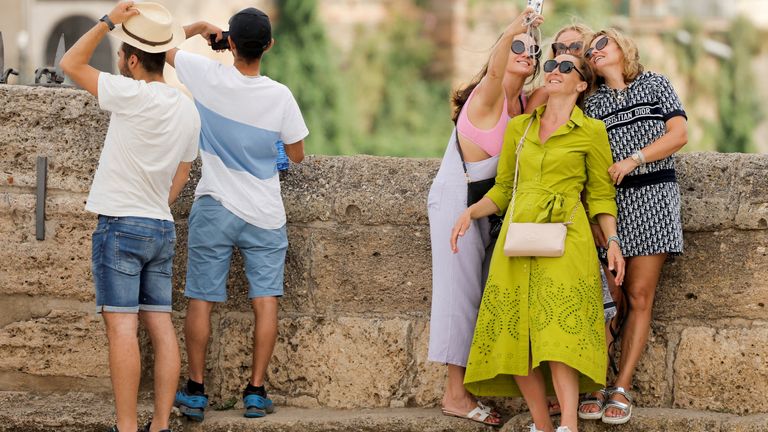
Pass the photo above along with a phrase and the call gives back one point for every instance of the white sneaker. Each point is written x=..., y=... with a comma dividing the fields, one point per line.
x=563, y=429
x=533, y=428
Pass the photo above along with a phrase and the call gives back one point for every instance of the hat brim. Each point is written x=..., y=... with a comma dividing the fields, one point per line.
x=179, y=36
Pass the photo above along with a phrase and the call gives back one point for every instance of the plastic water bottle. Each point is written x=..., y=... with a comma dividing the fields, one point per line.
x=282, y=158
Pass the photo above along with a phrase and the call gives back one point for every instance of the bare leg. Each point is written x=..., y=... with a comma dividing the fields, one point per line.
x=264, y=336
x=534, y=391
x=566, y=382
x=642, y=277
x=124, y=365
x=197, y=332
x=167, y=365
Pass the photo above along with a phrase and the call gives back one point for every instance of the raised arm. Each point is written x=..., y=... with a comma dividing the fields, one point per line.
x=202, y=28
x=75, y=61
x=489, y=92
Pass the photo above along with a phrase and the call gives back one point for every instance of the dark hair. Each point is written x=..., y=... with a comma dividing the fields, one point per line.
x=153, y=63
x=589, y=77
x=249, y=51
x=460, y=95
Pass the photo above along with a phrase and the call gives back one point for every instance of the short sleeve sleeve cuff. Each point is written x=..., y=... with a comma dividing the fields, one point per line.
x=499, y=198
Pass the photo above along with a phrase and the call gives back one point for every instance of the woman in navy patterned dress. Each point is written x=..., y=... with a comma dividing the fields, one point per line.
x=646, y=125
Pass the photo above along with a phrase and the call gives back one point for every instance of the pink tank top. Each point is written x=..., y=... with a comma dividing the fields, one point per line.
x=490, y=140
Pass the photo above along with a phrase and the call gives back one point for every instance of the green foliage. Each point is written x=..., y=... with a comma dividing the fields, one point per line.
x=403, y=111
x=689, y=57
x=301, y=60
x=738, y=103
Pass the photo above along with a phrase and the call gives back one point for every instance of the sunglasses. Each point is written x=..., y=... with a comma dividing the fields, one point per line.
x=565, y=66
x=601, y=43
x=561, y=48
x=519, y=47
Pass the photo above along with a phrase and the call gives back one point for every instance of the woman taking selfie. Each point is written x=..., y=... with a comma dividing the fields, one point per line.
x=483, y=109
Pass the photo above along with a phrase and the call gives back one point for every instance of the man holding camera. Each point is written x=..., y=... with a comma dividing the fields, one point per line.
x=150, y=145
x=237, y=202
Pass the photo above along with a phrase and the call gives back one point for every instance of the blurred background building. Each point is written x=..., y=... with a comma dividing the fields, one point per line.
x=374, y=76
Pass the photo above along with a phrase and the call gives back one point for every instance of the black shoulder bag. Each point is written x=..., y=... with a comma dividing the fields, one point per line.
x=477, y=189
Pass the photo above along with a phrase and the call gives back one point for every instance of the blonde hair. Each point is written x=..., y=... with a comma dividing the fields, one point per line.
x=582, y=29
x=632, y=65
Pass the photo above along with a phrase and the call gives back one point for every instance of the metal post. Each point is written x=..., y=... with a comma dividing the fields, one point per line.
x=42, y=178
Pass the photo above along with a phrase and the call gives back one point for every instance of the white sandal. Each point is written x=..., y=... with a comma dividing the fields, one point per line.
x=478, y=414
x=625, y=407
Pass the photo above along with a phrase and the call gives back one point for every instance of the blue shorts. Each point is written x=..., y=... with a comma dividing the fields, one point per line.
x=213, y=233
x=132, y=259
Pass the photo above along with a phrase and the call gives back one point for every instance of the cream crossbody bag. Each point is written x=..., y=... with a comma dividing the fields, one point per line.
x=534, y=239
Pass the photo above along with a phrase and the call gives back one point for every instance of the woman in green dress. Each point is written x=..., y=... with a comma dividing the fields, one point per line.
x=540, y=325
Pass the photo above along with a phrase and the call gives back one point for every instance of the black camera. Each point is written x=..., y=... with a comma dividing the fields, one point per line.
x=223, y=44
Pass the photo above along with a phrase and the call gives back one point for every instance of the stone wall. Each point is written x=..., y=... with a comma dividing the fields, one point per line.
x=354, y=320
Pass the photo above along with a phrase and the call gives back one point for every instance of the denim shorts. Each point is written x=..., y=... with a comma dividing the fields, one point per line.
x=132, y=259
x=213, y=233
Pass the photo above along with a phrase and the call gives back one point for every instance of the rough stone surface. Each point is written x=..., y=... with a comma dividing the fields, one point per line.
x=723, y=274
x=371, y=269
x=64, y=124
x=650, y=387
x=643, y=420
x=63, y=343
x=60, y=265
x=709, y=189
x=430, y=376
x=722, y=370
x=320, y=362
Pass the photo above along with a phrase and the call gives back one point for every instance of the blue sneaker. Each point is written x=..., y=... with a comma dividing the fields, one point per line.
x=257, y=406
x=191, y=406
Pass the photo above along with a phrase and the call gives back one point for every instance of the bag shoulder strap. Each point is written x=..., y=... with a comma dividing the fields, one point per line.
x=517, y=168
x=461, y=153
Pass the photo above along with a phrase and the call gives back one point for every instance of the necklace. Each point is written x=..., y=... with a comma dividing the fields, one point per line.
x=619, y=94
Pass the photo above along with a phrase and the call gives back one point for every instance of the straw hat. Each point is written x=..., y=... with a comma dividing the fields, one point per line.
x=152, y=30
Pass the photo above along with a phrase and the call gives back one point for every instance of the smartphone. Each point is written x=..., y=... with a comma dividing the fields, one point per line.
x=537, y=5
x=223, y=44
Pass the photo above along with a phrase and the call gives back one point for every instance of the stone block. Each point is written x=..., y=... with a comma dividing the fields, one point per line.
x=60, y=265
x=359, y=189
x=708, y=189
x=62, y=344
x=723, y=274
x=718, y=370
x=64, y=124
x=650, y=387
x=384, y=190
x=643, y=420
x=753, y=193
x=363, y=269
x=343, y=362
x=429, y=380
x=310, y=188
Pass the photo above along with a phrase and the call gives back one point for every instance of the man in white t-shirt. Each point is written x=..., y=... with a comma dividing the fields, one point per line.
x=150, y=145
x=237, y=202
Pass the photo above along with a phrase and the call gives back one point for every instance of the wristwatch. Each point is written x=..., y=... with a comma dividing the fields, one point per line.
x=105, y=19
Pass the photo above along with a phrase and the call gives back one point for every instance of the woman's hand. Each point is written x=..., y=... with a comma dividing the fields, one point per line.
x=616, y=262
x=521, y=23
x=463, y=223
x=620, y=169
x=597, y=235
